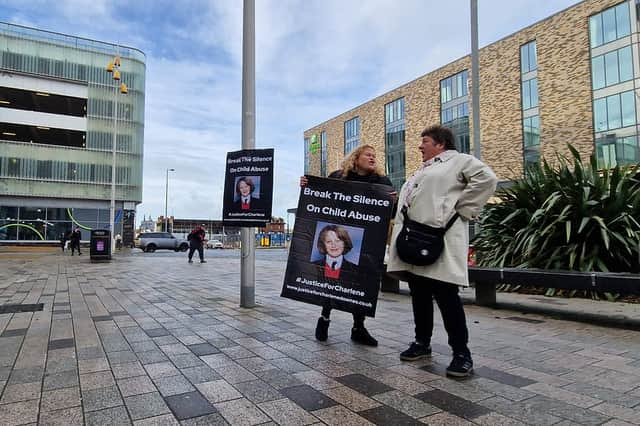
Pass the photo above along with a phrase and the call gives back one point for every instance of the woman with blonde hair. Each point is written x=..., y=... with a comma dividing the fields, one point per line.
x=359, y=166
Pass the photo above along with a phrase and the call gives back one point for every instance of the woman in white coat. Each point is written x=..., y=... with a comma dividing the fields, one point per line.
x=447, y=182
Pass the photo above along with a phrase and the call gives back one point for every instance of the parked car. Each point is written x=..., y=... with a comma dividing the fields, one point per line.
x=152, y=241
x=215, y=244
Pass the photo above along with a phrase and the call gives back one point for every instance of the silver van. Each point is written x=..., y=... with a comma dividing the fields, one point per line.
x=152, y=241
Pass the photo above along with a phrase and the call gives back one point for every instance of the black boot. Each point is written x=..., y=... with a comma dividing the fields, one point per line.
x=362, y=336
x=322, y=329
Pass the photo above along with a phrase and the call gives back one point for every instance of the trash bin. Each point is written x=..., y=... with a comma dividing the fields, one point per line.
x=100, y=244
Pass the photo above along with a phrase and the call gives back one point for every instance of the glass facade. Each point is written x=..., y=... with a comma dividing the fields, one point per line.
x=612, y=151
x=612, y=71
x=531, y=127
x=612, y=68
x=55, y=168
x=47, y=224
x=530, y=94
x=614, y=112
x=453, y=87
x=394, y=142
x=610, y=25
x=530, y=113
x=351, y=135
x=454, y=108
x=528, y=57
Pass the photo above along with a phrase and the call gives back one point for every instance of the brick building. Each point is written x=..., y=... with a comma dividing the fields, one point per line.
x=572, y=77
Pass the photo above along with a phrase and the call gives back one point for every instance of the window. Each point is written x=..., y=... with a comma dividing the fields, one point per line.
x=351, y=135
x=323, y=153
x=531, y=132
x=394, y=142
x=530, y=123
x=610, y=25
x=528, y=57
x=530, y=94
x=13, y=167
x=614, y=111
x=450, y=114
x=44, y=169
x=612, y=151
x=307, y=156
x=394, y=111
x=453, y=87
x=612, y=68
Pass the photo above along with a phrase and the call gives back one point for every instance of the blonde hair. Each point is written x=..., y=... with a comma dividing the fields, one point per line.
x=349, y=163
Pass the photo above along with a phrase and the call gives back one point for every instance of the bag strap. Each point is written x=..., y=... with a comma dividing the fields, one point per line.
x=446, y=228
x=451, y=221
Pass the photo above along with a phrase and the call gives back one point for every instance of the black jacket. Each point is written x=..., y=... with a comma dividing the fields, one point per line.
x=373, y=178
x=353, y=176
x=196, y=236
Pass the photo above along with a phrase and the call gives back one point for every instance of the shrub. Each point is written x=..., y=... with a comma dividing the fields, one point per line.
x=571, y=216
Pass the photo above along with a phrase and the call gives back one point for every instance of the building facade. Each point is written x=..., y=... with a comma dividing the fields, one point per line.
x=57, y=128
x=571, y=78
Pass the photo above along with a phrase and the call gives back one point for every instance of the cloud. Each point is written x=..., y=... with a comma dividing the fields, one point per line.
x=314, y=60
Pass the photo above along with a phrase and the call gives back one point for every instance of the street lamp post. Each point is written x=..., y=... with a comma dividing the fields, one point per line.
x=166, y=199
x=114, y=68
x=248, y=249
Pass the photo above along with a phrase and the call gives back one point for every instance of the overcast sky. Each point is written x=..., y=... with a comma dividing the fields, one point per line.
x=314, y=60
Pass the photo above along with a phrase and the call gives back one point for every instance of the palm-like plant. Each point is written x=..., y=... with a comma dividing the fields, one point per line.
x=571, y=216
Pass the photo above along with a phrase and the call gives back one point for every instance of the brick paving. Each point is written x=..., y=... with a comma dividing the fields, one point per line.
x=151, y=340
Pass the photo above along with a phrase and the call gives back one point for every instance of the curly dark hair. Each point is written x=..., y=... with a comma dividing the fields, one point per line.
x=441, y=135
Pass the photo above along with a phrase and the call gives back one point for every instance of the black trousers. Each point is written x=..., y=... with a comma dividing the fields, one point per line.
x=423, y=291
x=196, y=246
x=75, y=245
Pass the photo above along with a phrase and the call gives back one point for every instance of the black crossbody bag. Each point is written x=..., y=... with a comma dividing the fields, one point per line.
x=420, y=244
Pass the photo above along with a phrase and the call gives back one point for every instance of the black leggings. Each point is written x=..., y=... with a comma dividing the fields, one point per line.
x=358, y=319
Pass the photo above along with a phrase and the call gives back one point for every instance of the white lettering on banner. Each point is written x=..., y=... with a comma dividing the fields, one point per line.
x=245, y=214
x=239, y=169
x=260, y=159
x=361, y=199
x=317, y=194
x=364, y=217
x=334, y=212
x=341, y=197
x=259, y=169
x=335, y=287
x=313, y=209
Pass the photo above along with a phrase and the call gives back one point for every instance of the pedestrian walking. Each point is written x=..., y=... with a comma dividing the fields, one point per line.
x=196, y=241
x=448, y=183
x=63, y=240
x=360, y=166
x=75, y=237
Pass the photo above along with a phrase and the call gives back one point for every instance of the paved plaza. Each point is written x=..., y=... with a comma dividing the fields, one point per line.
x=151, y=340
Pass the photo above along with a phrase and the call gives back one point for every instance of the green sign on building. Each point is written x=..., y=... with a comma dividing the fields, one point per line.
x=314, y=146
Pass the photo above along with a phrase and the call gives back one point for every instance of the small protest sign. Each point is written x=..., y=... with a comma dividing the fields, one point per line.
x=248, y=188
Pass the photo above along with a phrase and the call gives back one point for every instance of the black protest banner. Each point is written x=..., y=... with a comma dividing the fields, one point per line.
x=338, y=244
x=248, y=188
